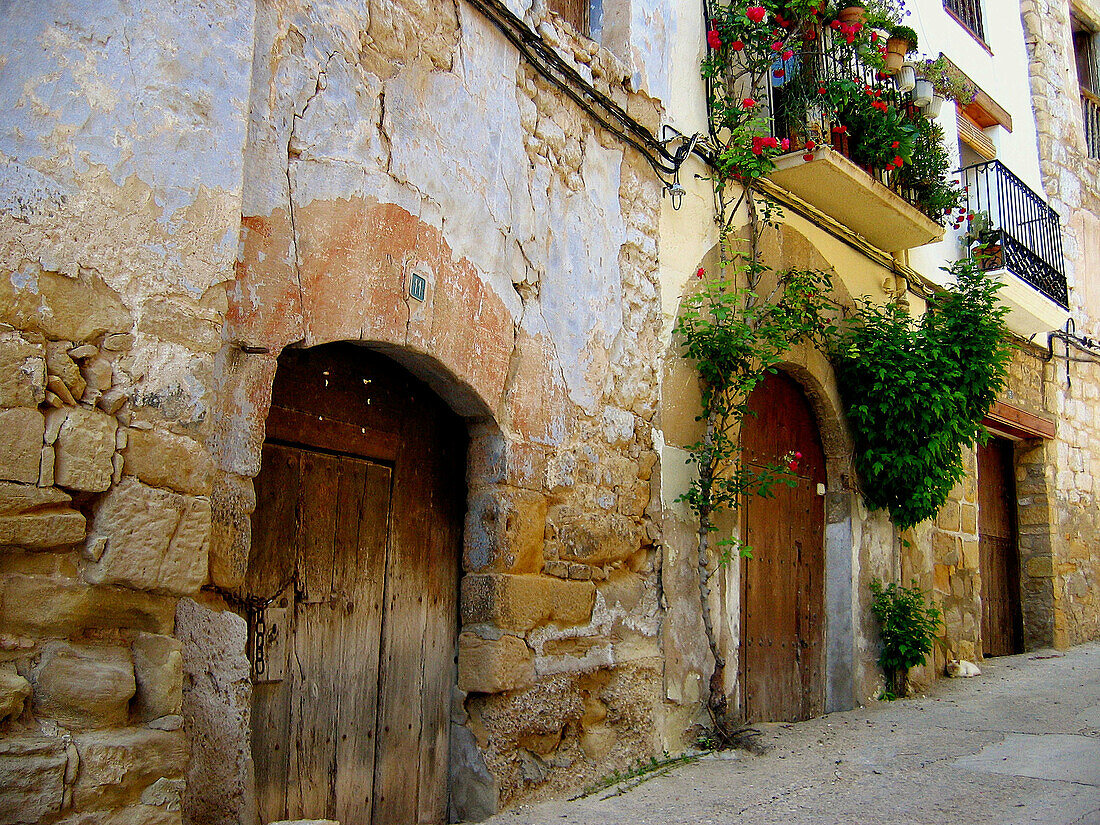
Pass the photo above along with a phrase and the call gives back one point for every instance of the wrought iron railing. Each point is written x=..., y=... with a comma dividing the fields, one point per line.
x=1024, y=235
x=969, y=13
x=1090, y=112
x=822, y=60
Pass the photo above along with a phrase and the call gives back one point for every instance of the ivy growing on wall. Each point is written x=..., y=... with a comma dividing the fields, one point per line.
x=915, y=392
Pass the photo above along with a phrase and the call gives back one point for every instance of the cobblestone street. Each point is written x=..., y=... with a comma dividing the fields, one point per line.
x=1020, y=744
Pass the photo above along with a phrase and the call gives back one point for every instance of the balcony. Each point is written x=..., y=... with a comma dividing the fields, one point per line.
x=1015, y=232
x=865, y=199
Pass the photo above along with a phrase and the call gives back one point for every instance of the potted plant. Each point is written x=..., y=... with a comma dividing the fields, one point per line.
x=855, y=11
x=947, y=80
x=922, y=92
x=902, y=42
x=983, y=241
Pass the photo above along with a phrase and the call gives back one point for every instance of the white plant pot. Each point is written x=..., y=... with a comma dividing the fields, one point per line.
x=922, y=92
x=932, y=110
x=906, y=78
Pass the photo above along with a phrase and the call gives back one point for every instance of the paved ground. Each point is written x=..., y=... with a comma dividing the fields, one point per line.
x=1019, y=744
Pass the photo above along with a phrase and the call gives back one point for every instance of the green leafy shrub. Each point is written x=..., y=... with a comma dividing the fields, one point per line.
x=915, y=393
x=908, y=629
x=907, y=34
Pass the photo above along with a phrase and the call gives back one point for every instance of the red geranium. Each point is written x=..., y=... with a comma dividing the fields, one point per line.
x=714, y=40
x=756, y=13
x=737, y=45
x=748, y=103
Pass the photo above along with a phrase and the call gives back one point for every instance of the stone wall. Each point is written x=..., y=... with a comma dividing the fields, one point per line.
x=1072, y=183
x=175, y=210
x=120, y=170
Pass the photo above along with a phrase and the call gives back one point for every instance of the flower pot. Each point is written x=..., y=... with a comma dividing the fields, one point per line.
x=922, y=92
x=898, y=45
x=933, y=107
x=905, y=79
x=894, y=61
x=852, y=14
x=989, y=256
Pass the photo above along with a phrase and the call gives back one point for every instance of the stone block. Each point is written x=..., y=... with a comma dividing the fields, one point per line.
x=21, y=434
x=19, y=498
x=82, y=686
x=231, y=504
x=14, y=692
x=68, y=308
x=182, y=322
x=1039, y=567
x=156, y=539
x=505, y=531
x=522, y=602
x=970, y=554
x=37, y=605
x=116, y=766
x=158, y=672
x=949, y=517
x=99, y=374
x=595, y=539
x=945, y=548
x=32, y=778
x=475, y=791
x=130, y=815
x=494, y=665
x=50, y=528
x=969, y=519
x=84, y=448
x=22, y=372
x=164, y=459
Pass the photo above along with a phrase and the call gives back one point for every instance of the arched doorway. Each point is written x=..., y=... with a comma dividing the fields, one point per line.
x=782, y=650
x=352, y=579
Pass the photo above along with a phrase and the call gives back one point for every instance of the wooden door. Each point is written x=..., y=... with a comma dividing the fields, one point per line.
x=354, y=561
x=782, y=651
x=999, y=556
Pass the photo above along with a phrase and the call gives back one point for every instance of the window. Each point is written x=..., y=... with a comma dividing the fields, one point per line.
x=1085, y=43
x=573, y=12
x=969, y=14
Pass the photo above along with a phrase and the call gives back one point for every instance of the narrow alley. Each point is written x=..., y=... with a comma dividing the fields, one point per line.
x=1019, y=744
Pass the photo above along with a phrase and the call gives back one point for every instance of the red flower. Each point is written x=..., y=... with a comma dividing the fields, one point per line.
x=821, y=90
x=810, y=34
x=785, y=144
x=810, y=145
x=787, y=55
x=894, y=145
x=874, y=37
x=777, y=46
x=792, y=466
x=737, y=45
x=779, y=72
x=700, y=273
x=798, y=456
x=748, y=103
x=756, y=13
x=714, y=40
x=890, y=167
x=898, y=161
x=781, y=20
x=807, y=158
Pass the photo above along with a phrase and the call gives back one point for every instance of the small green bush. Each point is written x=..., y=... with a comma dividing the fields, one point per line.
x=908, y=628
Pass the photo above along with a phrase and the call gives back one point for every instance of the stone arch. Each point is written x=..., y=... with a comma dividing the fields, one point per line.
x=246, y=379
x=785, y=248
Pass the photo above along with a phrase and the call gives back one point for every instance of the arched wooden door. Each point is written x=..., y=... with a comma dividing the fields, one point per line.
x=782, y=651
x=998, y=551
x=353, y=584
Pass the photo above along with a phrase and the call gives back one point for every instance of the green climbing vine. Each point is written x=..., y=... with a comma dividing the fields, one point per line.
x=915, y=392
x=745, y=315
